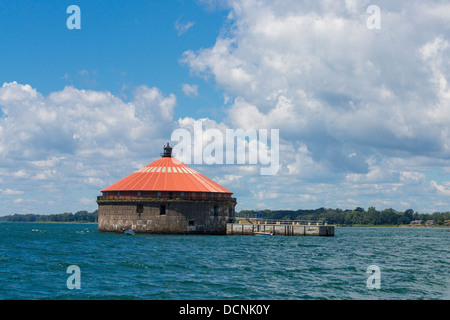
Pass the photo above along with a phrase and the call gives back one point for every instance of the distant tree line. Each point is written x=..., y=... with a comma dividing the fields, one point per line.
x=80, y=217
x=357, y=216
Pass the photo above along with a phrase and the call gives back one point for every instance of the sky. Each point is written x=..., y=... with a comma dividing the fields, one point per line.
x=360, y=98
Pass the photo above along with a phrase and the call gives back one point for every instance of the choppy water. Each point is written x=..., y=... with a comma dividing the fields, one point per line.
x=414, y=264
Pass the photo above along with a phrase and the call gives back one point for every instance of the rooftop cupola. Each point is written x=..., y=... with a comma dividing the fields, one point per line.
x=167, y=151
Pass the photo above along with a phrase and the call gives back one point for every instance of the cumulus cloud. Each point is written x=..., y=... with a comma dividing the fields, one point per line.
x=10, y=192
x=78, y=139
x=317, y=69
x=351, y=103
x=190, y=90
x=363, y=114
x=444, y=189
x=75, y=121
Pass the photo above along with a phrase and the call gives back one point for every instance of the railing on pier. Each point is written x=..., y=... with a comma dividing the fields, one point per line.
x=251, y=220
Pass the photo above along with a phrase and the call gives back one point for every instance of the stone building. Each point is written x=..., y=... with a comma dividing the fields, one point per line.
x=166, y=197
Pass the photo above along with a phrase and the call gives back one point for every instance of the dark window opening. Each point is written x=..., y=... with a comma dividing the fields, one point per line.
x=191, y=223
x=216, y=211
x=170, y=195
x=182, y=195
x=162, y=210
x=139, y=208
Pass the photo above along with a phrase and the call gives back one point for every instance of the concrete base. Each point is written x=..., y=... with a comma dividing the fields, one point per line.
x=281, y=230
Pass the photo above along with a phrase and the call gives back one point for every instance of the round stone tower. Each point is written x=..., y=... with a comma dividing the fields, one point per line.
x=166, y=197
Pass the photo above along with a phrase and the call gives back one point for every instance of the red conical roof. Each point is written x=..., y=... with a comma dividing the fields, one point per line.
x=167, y=174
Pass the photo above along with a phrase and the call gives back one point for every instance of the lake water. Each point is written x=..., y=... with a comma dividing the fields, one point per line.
x=34, y=257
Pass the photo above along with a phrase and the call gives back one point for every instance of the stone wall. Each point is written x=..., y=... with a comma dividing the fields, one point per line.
x=165, y=216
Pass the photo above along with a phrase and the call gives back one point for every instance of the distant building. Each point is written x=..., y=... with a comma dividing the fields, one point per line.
x=429, y=222
x=447, y=222
x=416, y=222
x=167, y=197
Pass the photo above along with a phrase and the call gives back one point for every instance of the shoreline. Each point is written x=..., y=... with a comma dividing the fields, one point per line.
x=392, y=226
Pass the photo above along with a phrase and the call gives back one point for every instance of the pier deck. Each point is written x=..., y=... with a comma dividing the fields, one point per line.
x=250, y=228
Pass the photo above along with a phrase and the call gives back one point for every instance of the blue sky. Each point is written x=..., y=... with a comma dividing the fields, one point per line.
x=120, y=45
x=362, y=112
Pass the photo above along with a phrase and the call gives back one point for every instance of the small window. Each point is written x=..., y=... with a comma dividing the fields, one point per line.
x=182, y=195
x=170, y=195
x=216, y=211
x=159, y=194
x=162, y=210
x=191, y=223
x=139, y=208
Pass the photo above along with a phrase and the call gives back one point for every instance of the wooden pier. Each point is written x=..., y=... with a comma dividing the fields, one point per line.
x=278, y=228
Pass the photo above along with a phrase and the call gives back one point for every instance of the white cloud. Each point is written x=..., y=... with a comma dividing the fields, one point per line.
x=443, y=189
x=20, y=174
x=95, y=182
x=10, y=192
x=190, y=90
x=353, y=105
x=229, y=180
x=363, y=114
x=316, y=67
x=51, y=162
x=74, y=140
x=183, y=27
x=75, y=121
x=87, y=201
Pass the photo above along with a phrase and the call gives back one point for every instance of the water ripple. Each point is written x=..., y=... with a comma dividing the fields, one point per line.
x=34, y=259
